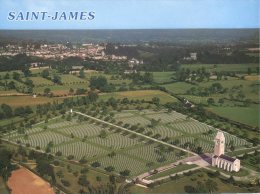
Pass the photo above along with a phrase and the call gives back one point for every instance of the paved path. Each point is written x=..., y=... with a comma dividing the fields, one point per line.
x=139, y=134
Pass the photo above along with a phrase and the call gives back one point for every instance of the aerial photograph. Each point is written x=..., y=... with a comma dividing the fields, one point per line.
x=129, y=97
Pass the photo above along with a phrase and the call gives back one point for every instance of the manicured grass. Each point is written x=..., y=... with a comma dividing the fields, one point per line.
x=223, y=67
x=174, y=170
x=140, y=95
x=251, y=161
x=73, y=180
x=248, y=115
x=178, y=186
x=241, y=173
x=241, y=152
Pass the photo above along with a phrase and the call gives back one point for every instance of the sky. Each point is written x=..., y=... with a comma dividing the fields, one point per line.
x=137, y=14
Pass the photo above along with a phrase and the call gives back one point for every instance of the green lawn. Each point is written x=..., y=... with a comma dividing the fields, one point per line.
x=176, y=169
x=178, y=186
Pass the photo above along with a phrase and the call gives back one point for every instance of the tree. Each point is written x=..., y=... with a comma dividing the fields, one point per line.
x=99, y=82
x=199, y=150
x=211, y=186
x=5, y=163
x=112, y=179
x=16, y=76
x=26, y=71
x=149, y=164
x=7, y=110
x=110, y=168
x=92, y=96
x=71, y=91
x=112, y=154
x=200, y=188
x=221, y=101
x=57, y=79
x=210, y=101
x=156, y=101
x=45, y=73
x=83, y=180
x=148, y=77
x=249, y=71
x=44, y=168
x=95, y=164
x=83, y=161
x=47, y=91
x=125, y=173
x=103, y=134
x=81, y=73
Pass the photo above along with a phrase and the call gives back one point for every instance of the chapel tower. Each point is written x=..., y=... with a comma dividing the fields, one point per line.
x=219, y=148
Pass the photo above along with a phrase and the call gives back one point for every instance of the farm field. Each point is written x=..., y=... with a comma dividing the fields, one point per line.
x=223, y=67
x=140, y=95
x=10, y=93
x=248, y=115
x=178, y=87
x=29, y=183
x=39, y=81
x=60, y=89
x=161, y=77
x=79, y=139
x=16, y=101
x=71, y=79
x=249, y=88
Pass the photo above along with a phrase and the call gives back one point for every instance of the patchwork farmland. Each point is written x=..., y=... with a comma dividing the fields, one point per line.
x=76, y=137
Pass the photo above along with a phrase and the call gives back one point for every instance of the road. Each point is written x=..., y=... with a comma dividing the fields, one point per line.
x=139, y=134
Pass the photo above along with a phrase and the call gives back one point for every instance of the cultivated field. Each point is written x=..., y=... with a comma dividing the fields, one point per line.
x=239, y=68
x=140, y=95
x=39, y=81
